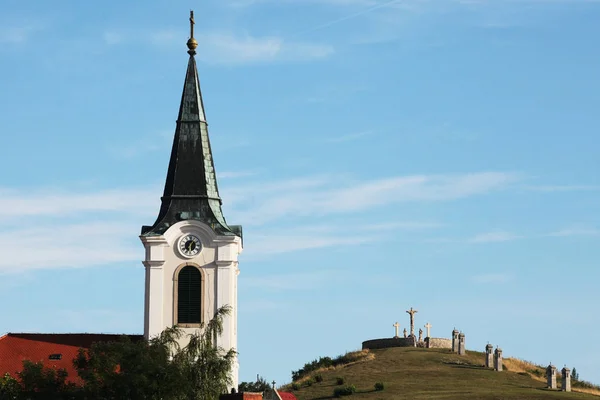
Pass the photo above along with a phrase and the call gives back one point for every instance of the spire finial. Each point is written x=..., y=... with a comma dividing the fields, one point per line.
x=192, y=43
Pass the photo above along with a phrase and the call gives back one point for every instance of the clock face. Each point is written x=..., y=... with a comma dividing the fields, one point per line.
x=189, y=245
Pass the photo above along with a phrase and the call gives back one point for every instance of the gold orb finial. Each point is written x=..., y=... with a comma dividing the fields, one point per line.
x=192, y=44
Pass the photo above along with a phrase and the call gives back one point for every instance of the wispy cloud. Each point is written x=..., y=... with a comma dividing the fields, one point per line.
x=491, y=237
x=561, y=188
x=349, y=137
x=17, y=204
x=492, y=278
x=112, y=38
x=404, y=225
x=246, y=3
x=77, y=228
x=226, y=48
x=372, y=6
x=136, y=149
x=67, y=245
x=292, y=281
x=575, y=231
x=21, y=33
x=262, y=244
x=329, y=195
x=235, y=174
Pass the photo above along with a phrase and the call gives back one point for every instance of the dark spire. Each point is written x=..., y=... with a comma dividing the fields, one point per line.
x=191, y=190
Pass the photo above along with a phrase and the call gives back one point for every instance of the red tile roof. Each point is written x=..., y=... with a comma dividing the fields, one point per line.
x=16, y=347
x=287, y=396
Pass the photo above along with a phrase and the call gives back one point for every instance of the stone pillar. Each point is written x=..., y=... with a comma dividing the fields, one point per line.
x=489, y=356
x=498, y=359
x=461, y=344
x=455, y=341
x=551, y=376
x=566, y=379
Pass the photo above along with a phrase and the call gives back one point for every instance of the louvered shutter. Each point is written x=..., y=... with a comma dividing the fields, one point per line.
x=189, y=296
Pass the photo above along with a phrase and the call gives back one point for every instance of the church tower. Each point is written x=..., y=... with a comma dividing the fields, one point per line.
x=191, y=252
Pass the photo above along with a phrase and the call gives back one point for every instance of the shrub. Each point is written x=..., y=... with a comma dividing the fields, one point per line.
x=295, y=386
x=319, y=378
x=327, y=362
x=339, y=380
x=309, y=382
x=585, y=384
x=322, y=362
x=379, y=386
x=344, y=391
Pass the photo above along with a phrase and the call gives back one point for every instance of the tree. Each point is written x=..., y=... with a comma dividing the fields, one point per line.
x=260, y=385
x=9, y=387
x=38, y=382
x=135, y=370
x=132, y=370
x=575, y=374
x=159, y=368
x=206, y=367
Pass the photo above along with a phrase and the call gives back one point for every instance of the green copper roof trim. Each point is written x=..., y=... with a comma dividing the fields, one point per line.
x=191, y=191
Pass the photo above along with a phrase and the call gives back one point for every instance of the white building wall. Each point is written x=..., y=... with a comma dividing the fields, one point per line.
x=218, y=262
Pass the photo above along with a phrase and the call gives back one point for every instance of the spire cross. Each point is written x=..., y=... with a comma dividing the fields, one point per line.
x=192, y=43
x=396, y=325
x=192, y=23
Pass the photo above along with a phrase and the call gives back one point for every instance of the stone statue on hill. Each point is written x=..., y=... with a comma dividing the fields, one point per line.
x=412, y=313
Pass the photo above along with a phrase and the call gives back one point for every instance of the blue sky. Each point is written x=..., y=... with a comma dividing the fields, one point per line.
x=439, y=154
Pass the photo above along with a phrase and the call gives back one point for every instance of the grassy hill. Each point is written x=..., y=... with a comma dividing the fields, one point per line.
x=416, y=373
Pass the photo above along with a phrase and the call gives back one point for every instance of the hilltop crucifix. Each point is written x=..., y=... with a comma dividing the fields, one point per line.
x=396, y=325
x=412, y=313
x=428, y=327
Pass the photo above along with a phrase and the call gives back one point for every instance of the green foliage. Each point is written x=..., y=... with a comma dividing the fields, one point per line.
x=339, y=380
x=575, y=374
x=318, y=378
x=158, y=369
x=327, y=362
x=322, y=362
x=344, y=391
x=9, y=387
x=295, y=386
x=260, y=385
x=309, y=382
x=39, y=382
x=584, y=385
x=205, y=366
x=379, y=386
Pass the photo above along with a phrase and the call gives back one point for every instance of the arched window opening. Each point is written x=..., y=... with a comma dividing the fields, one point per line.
x=189, y=296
